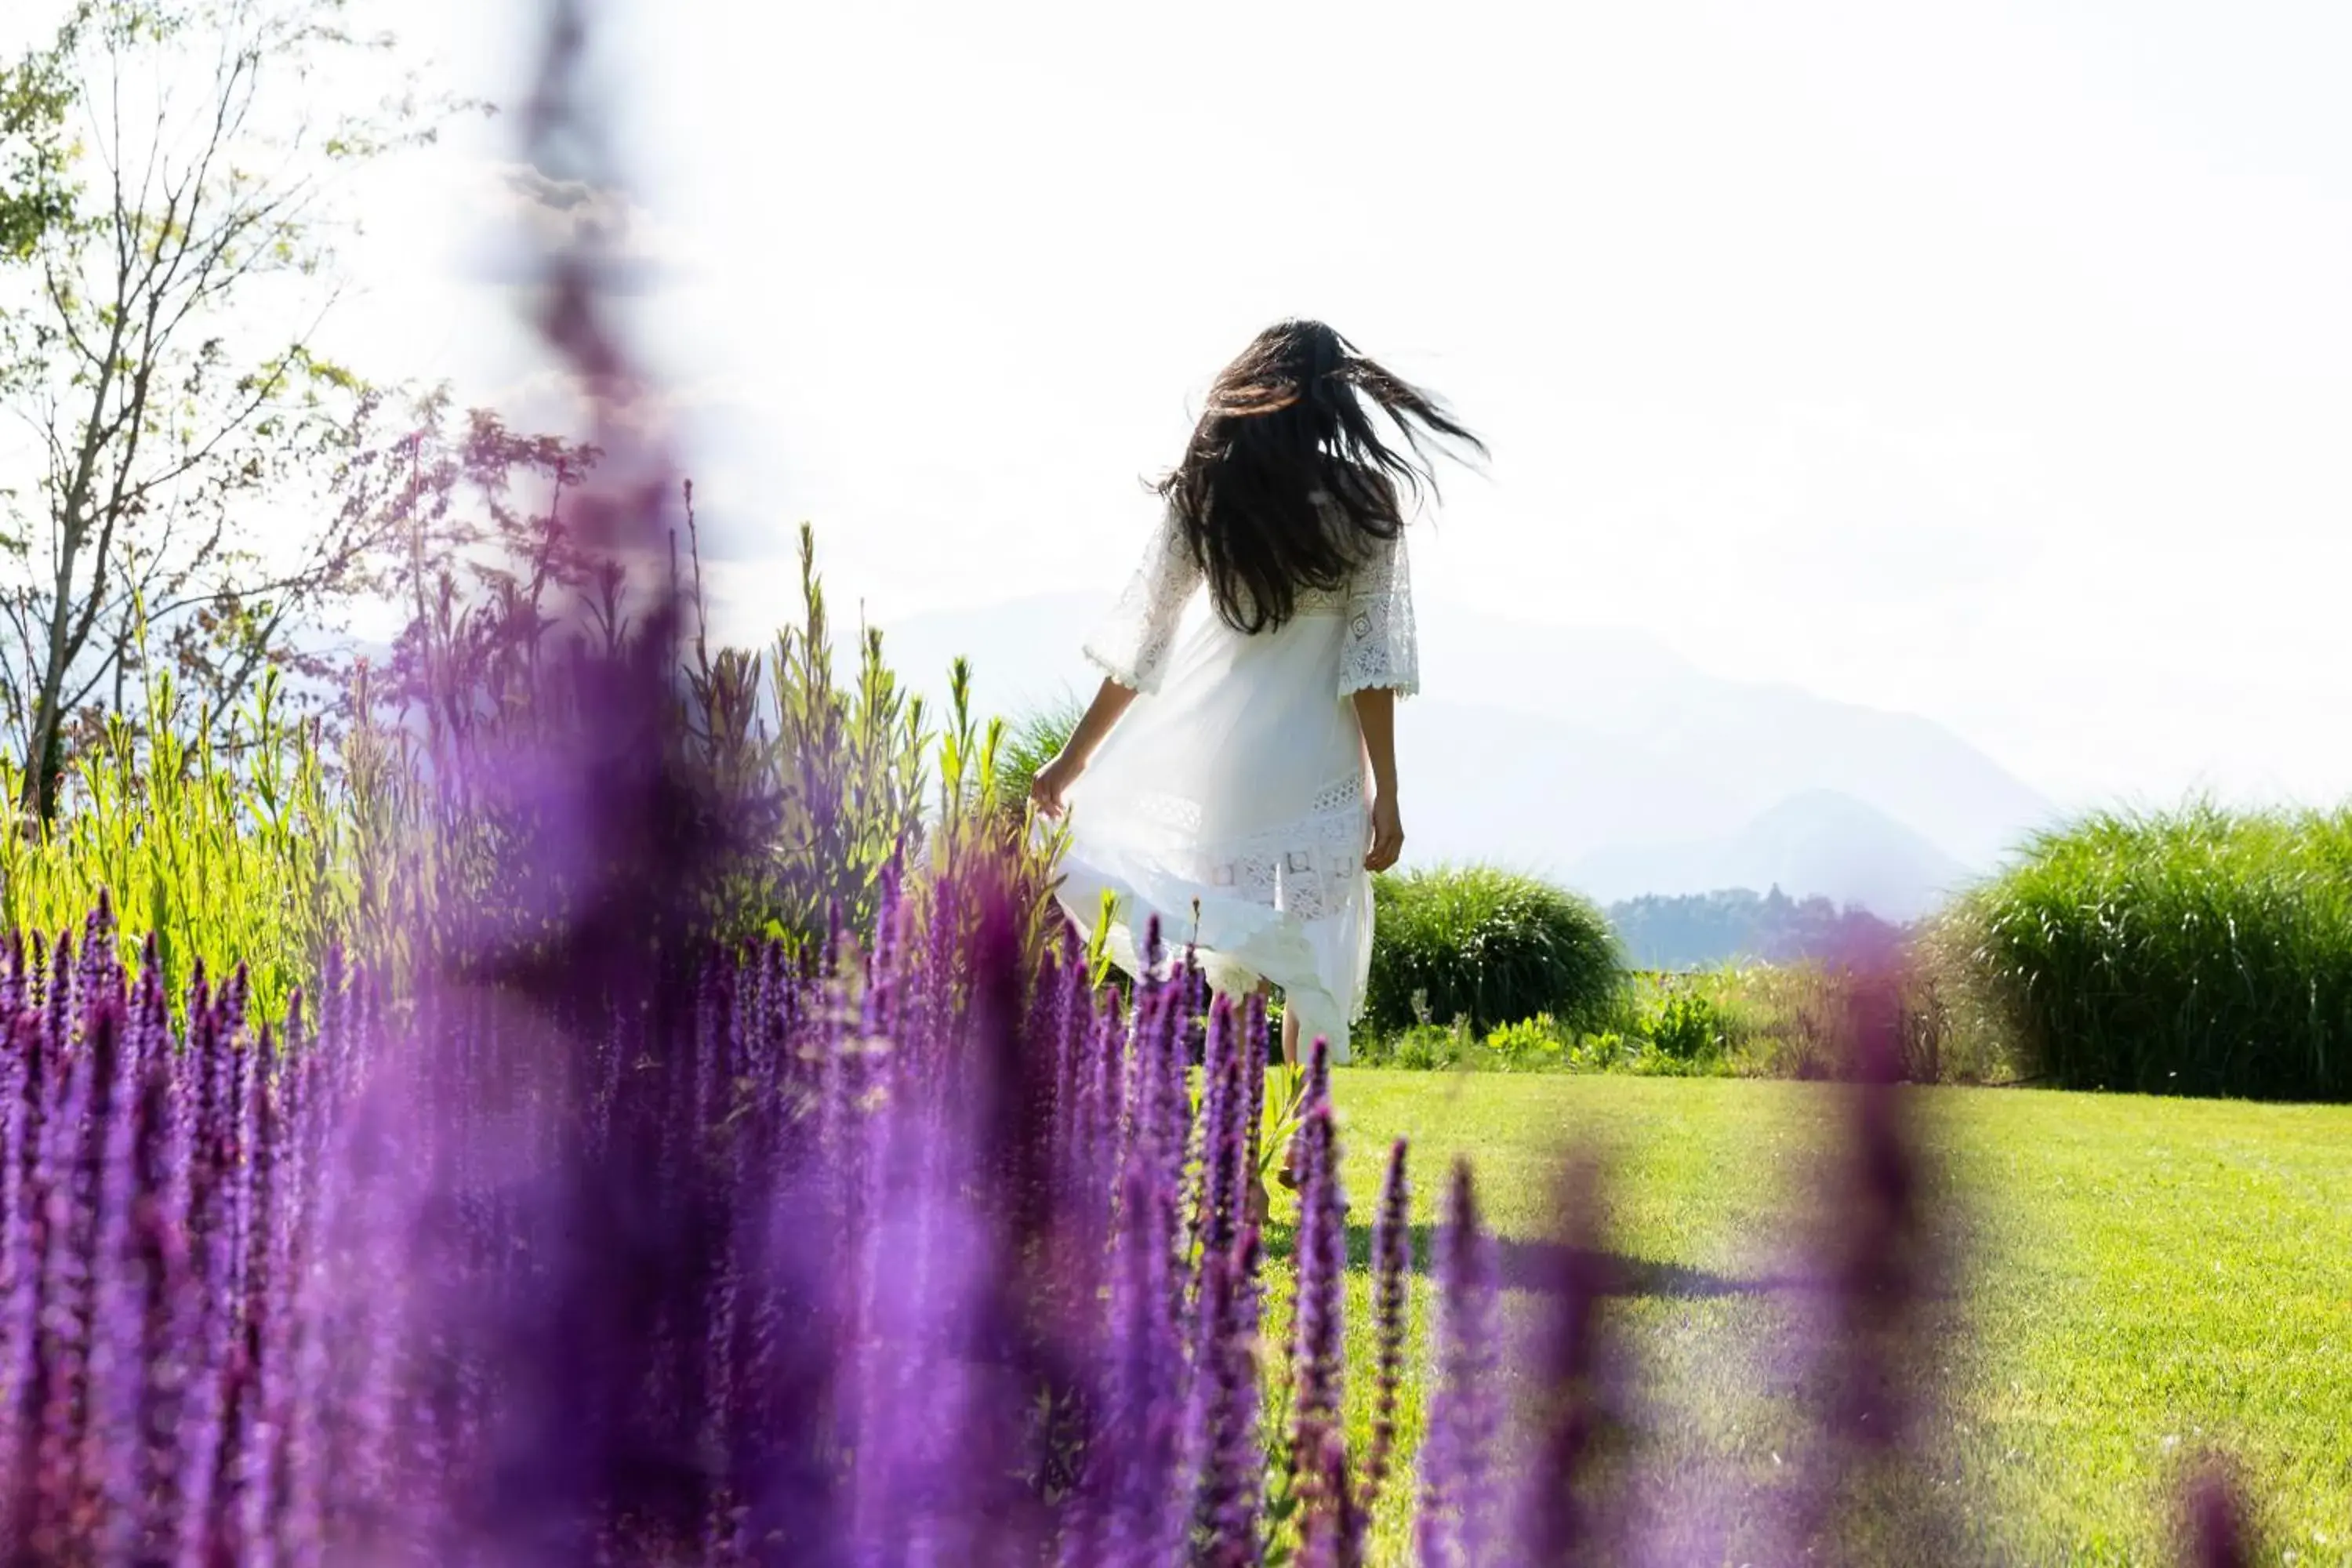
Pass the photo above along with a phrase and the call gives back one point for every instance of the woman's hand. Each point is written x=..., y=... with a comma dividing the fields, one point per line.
x=1053, y=782
x=1388, y=835
x=1054, y=779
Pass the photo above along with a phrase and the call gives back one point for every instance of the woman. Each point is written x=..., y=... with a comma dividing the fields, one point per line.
x=1249, y=772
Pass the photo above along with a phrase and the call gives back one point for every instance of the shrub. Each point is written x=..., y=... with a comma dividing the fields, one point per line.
x=2198, y=951
x=1487, y=945
x=1533, y=1045
x=1687, y=1026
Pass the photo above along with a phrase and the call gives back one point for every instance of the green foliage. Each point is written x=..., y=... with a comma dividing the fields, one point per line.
x=2198, y=951
x=1032, y=739
x=1794, y=1020
x=257, y=839
x=37, y=96
x=1686, y=1027
x=842, y=770
x=251, y=855
x=1488, y=946
x=2137, y=1269
x=1423, y=1047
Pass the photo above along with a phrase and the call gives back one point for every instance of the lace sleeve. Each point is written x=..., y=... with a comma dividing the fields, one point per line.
x=1382, y=648
x=1131, y=645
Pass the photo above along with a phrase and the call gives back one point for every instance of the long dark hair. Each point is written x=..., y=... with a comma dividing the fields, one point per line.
x=1286, y=483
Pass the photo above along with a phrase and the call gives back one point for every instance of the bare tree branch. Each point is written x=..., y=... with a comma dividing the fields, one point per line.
x=167, y=424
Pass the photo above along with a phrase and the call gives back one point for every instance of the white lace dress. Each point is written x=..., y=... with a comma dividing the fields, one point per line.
x=1235, y=785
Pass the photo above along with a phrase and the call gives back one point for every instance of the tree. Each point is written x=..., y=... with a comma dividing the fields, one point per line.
x=207, y=488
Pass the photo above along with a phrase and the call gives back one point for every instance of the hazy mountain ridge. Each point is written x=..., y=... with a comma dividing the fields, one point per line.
x=1739, y=925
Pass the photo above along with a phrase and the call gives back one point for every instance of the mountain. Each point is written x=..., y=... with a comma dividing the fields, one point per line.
x=1598, y=756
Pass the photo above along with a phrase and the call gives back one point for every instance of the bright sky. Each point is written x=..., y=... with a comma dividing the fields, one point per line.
x=1990, y=362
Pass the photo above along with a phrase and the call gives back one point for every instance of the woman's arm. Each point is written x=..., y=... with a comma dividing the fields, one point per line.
x=1376, y=716
x=1054, y=780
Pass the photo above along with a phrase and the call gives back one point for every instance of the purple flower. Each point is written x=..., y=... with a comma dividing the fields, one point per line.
x=1454, y=1525
x=1861, y=1361
x=1392, y=1263
x=1133, y=1492
x=2217, y=1535
x=1560, y=1520
x=120, y=1287
x=1222, y=1424
x=1224, y=1171
x=1318, y=1358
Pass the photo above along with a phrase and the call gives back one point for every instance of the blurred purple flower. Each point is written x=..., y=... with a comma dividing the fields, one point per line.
x=2217, y=1533
x=1318, y=1354
x=1392, y=1263
x=1571, y=1408
x=1456, y=1523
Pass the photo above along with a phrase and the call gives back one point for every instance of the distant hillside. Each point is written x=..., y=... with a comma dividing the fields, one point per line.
x=1703, y=930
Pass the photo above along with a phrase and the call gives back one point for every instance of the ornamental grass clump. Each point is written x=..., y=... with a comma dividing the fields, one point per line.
x=1487, y=946
x=2200, y=951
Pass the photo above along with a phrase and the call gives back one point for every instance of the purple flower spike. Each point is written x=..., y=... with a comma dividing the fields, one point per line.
x=1456, y=1524
x=1860, y=1363
x=1335, y=1532
x=1138, y=1434
x=2217, y=1534
x=1392, y=1262
x=1319, y=1357
x=1222, y=1424
x=1225, y=1152
x=20, y=1255
x=118, y=1293
x=1257, y=1039
x=1559, y=1522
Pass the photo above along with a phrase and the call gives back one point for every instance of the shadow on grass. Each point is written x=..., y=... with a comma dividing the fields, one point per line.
x=1531, y=1265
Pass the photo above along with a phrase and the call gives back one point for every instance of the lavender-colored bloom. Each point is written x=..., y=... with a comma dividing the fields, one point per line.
x=1335, y=1532
x=1454, y=1526
x=67, y=1180
x=1217, y=1216
x=1560, y=1521
x=1873, y=1269
x=1318, y=1358
x=2216, y=1534
x=19, y=1257
x=1222, y=1432
x=1258, y=1035
x=1392, y=1262
x=109, y=1461
x=1131, y=1495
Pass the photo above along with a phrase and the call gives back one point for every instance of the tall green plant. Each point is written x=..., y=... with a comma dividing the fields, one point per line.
x=2197, y=952
x=841, y=772
x=222, y=862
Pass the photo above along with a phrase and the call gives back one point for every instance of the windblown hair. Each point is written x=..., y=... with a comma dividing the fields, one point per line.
x=1286, y=484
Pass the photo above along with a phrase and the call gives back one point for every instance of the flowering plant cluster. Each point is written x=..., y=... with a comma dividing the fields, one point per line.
x=925, y=1255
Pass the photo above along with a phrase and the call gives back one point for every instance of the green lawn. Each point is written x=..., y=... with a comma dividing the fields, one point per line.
x=2146, y=1277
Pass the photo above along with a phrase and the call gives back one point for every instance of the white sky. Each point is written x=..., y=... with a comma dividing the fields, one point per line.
x=1990, y=361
